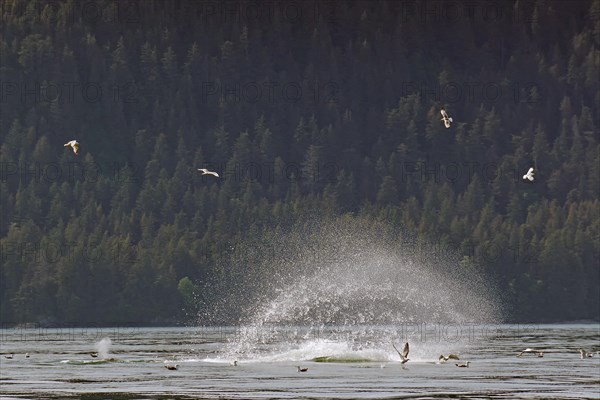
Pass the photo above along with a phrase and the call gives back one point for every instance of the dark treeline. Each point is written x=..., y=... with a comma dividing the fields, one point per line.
x=299, y=106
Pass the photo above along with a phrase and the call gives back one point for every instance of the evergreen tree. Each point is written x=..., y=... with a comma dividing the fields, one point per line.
x=295, y=118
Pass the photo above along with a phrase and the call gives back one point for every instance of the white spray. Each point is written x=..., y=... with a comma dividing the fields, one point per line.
x=103, y=347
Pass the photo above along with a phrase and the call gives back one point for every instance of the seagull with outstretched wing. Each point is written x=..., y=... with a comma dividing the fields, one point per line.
x=404, y=354
x=207, y=172
x=529, y=175
x=445, y=118
x=74, y=145
x=448, y=357
x=531, y=351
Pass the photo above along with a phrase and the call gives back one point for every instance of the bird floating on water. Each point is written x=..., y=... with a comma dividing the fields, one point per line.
x=529, y=175
x=207, y=172
x=94, y=355
x=26, y=355
x=74, y=145
x=234, y=363
x=445, y=118
x=9, y=356
x=464, y=365
x=172, y=367
x=584, y=353
x=301, y=369
x=404, y=354
x=532, y=351
x=448, y=357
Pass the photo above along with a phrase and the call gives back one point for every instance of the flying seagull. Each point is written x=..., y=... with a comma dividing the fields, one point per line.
x=207, y=172
x=584, y=353
x=75, y=145
x=445, y=118
x=301, y=369
x=533, y=351
x=172, y=367
x=404, y=354
x=448, y=357
x=529, y=175
x=464, y=365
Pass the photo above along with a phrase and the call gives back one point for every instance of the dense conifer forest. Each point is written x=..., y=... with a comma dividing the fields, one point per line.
x=299, y=106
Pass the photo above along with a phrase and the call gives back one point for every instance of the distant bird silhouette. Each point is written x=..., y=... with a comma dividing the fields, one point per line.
x=74, y=145
x=464, y=365
x=301, y=369
x=404, y=354
x=172, y=367
x=531, y=351
x=26, y=355
x=94, y=355
x=234, y=363
x=207, y=172
x=448, y=357
x=529, y=175
x=9, y=356
x=445, y=118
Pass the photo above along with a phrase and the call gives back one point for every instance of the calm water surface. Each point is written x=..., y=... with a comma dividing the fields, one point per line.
x=360, y=365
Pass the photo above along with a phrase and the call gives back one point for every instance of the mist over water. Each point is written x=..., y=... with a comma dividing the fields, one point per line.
x=346, y=279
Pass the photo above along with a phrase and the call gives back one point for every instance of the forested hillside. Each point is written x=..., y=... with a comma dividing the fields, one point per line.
x=299, y=106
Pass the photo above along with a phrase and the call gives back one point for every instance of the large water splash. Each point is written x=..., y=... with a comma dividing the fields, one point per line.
x=357, y=283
